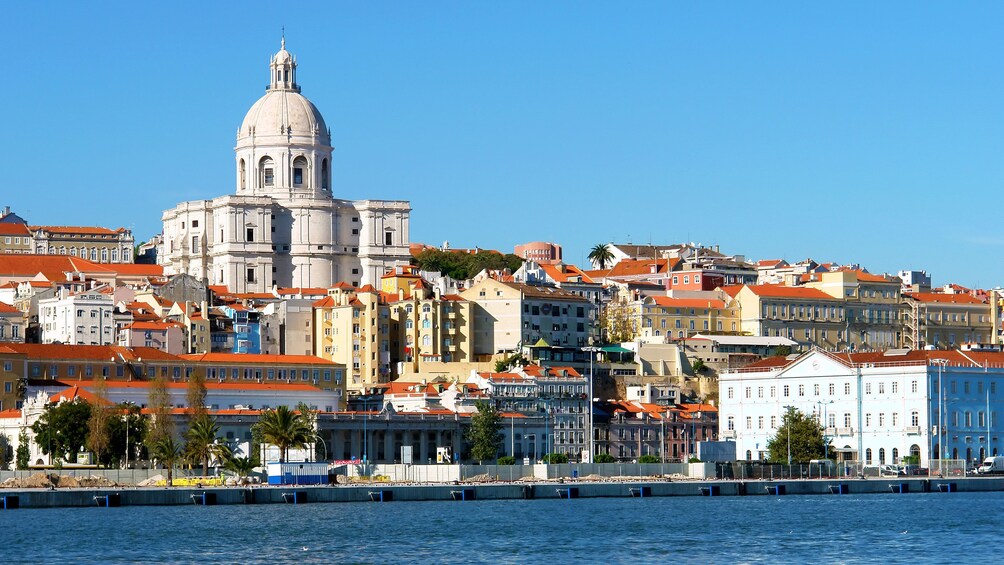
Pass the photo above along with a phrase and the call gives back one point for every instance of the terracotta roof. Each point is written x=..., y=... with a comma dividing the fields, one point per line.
x=148, y=325
x=87, y=230
x=944, y=298
x=74, y=392
x=89, y=352
x=531, y=291
x=781, y=291
x=562, y=273
x=52, y=267
x=257, y=358
x=277, y=386
x=303, y=291
x=324, y=303
x=556, y=372
x=13, y=228
x=768, y=263
x=140, y=269
x=8, y=309
x=10, y=413
x=668, y=302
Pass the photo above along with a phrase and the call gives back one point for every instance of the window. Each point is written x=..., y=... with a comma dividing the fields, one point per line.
x=833, y=389
x=388, y=238
x=249, y=234
x=914, y=418
x=267, y=171
x=868, y=388
x=299, y=165
x=731, y=423
x=847, y=419
x=729, y=393
x=801, y=390
x=895, y=387
x=847, y=388
x=749, y=422
x=913, y=387
x=815, y=390
x=250, y=275
x=785, y=391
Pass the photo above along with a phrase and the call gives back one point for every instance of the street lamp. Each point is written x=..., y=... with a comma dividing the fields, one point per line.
x=821, y=407
x=940, y=362
x=591, y=350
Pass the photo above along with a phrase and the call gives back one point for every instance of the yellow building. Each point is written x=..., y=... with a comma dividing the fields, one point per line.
x=873, y=308
x=673, y=318
x=352, y=327
x=946, y=320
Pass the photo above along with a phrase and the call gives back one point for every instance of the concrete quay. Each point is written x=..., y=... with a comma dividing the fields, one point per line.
x=388, y=492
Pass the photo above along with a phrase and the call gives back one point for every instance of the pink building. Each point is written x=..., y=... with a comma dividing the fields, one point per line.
x=539, y=251
x=168, y=337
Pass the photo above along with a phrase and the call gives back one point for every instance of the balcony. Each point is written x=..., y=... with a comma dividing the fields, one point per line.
x=728, y=434
x=845, y=431
x=913, y=430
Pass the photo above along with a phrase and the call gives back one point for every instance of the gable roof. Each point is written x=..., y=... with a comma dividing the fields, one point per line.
x=781, y=291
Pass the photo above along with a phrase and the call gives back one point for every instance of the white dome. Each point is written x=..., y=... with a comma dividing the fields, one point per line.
x=284, y=112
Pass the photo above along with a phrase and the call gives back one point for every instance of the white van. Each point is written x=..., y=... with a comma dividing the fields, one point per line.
x=991, y=465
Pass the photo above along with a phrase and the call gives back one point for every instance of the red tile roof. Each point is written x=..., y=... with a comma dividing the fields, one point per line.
x=944, y=298
x=781, y=291
x=668, y=302
x=8, y=309
x=88, y=352
x=278, y=386
x=257, y=358
x=13, y=228
x=87, y=230
x=562, y=273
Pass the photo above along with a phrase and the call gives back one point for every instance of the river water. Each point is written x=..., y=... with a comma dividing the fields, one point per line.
x=907, y=528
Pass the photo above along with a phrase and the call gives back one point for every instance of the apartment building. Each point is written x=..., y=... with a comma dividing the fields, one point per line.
x=352, y=328
x=82, y=318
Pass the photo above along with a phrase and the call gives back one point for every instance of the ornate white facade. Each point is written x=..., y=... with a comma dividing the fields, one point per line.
x=283, y=227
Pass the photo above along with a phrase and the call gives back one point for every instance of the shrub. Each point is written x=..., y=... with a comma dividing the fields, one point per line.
x=507, y=460
x=555, y=458
x=648, y=459
x=604, y=458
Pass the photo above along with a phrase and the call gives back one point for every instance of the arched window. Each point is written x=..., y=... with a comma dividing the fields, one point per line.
x=62, y=250
x=115, y=255
x=868, y=456
x=895, y=455
x=409, y=308
x=73, y=251
x=94, y=254
x=104, y=255
x=882, y=456
x=426, y=340
x=243, y=174
x=426, y=308
x=409, y=324
x=299, y=172
x=749, y=455
x=266, y=172
x=426, y=324
x=324, y=174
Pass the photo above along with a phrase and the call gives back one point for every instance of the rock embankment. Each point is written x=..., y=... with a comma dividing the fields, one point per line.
x=43, y=480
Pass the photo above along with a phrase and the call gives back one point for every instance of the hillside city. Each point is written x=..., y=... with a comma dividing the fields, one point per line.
x=278, y=294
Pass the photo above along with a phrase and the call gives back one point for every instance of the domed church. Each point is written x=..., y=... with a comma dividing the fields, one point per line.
x=283, y=227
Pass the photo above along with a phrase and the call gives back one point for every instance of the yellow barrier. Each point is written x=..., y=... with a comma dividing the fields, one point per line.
x=193, y=482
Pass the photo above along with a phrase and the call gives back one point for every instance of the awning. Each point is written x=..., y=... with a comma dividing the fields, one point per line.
x=541, y=343
x=615, y=349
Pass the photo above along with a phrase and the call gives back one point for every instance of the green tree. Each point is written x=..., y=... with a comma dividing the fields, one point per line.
x=507, y=460
x=98, y=439
x=782, y=351
x=240, y=466
x=555, y=458
x=648, y=459
x=284, y=429
x=462, y=265
x=202, y=443
x=619, y=321
x=503, y=365
x=485, y=432
x=159, y=400
x=806, y=439
x=698, y=366
x=126, y=428
x=61, y=430
x=601, y=255
x=6, y=452
x=23, y=456
x=195, y=395
x=168, y=452
x=604, y=458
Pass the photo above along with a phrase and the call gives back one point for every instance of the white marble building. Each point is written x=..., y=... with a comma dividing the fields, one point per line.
x=283, y=226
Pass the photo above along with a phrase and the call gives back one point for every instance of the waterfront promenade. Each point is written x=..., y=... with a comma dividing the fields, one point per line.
x=464, y=492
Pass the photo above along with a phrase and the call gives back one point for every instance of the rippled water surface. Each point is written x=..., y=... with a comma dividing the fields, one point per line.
x=909, y=528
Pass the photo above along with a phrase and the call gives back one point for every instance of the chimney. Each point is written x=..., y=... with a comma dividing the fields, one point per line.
x=6, y=212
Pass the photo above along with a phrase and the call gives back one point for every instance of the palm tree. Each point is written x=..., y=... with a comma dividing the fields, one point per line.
x=601, y=255
x=202, y=444
x=285, y=429
x=168, y=452
x=240, y=466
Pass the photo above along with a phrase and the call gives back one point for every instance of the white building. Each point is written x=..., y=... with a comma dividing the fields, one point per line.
x=283, y=226
x=876, y=407
x=83, y=318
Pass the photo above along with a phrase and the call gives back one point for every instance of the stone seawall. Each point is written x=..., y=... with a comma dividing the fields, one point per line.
x=388, y=492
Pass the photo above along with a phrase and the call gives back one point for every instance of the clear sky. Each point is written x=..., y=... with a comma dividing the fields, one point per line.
x=868, y=132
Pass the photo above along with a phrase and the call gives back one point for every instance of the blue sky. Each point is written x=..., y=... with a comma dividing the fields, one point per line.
x=852, y=132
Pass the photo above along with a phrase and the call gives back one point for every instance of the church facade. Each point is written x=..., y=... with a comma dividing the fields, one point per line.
x=283, y=227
